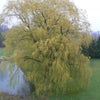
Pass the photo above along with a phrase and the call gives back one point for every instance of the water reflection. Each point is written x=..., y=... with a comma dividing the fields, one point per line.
x=18, y=86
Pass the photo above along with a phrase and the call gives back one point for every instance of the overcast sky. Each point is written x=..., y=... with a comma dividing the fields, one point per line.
x=92, y=8
x=2, y=2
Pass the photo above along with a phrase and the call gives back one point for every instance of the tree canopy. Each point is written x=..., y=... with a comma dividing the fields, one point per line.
x=94, y=48
x=46, y=44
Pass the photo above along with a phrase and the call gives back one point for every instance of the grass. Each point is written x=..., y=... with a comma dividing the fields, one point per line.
x=3, y=53
x=93, y=91
x=90, y=93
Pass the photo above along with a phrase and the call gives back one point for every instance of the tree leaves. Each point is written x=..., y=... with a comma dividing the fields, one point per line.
x=46, y=44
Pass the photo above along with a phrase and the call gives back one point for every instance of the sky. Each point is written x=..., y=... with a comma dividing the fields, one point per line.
x=92, y=8
x=2, y=3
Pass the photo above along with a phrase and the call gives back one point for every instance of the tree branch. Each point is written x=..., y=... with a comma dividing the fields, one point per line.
x=27, y=57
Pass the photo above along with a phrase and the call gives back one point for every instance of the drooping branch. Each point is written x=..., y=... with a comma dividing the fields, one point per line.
x=27, y=57
x=45, y=21
x=61, y=30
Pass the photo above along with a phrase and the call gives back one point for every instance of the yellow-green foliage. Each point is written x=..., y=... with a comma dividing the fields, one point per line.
x=61, y=66
x=46, y=44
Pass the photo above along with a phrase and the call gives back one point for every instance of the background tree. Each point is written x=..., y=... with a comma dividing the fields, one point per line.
x=46, y=44
x=94, y=48
x=98, y=47
x=85, y=50
x=3, y=28
x=1, y=37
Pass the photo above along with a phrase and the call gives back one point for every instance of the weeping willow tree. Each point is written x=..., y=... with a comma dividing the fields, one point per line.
x=46, y=44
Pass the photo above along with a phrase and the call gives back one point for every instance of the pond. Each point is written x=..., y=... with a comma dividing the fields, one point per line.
x=18, y=86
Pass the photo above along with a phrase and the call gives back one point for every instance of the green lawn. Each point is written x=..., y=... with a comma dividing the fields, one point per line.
x=3, y=53
x=93, y=91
